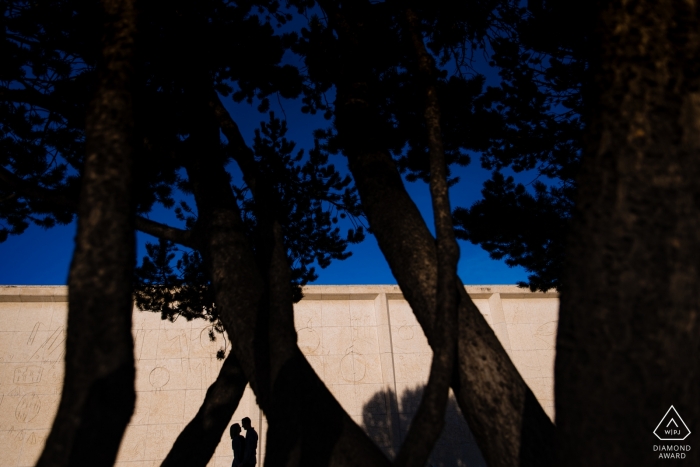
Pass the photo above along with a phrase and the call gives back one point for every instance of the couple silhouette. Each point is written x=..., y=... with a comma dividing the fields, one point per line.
x=244, y=448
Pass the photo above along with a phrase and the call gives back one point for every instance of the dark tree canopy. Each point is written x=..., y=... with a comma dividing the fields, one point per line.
x=367, y=69
x=529, y=122
x=542, y=66
x=142, y=99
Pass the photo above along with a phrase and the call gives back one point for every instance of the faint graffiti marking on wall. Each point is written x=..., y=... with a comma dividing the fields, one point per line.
x=17, y=435
x=138, y=343
x=28, y=408
x=406, y=333
x=364, y=338
x=206, y=342
x=353, y=367
x=27, y=374
x=545, y=332
x=174, y=344
x=32, y=336
x=159, y=377
x=140, y=416
x=139, y=447
x=52, y=348
x=308, y=340
x=7, y=357
x=197, y=371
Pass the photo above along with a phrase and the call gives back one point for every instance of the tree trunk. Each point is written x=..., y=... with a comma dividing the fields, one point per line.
x=324, y=434
x=196, y=444
x=98, y=390
x=628, y=345
x=429, y=420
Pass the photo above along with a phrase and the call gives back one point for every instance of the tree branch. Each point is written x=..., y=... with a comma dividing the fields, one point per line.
x=166, y=232
x=241, y=153
x=28, y=96
x=429, y=420
x=51, y=102
x=30, y=190
x=63, y=201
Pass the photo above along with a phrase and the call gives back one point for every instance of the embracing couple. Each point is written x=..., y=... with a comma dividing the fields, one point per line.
x=244, y=448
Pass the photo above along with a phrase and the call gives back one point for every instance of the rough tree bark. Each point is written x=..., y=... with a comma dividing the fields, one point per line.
x=506, y=419
x=98, y=390
x=323, y=433
x=508, y=423
x=279, y=362
x=196, y=444
x=286, y=446
x=429, y=420
x=628, y=345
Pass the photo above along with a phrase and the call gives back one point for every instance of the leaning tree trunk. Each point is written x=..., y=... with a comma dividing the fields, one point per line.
x=429, y=420
x=628, y=345
x=98, y=391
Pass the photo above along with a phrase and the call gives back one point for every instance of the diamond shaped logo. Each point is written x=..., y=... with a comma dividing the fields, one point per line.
x=671, y=427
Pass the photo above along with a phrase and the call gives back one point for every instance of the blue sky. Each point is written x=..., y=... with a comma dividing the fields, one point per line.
x=43, y=256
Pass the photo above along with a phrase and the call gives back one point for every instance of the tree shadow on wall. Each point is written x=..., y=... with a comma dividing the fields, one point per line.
x=386, y=420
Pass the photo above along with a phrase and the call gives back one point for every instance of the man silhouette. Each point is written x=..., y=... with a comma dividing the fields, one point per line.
x=237, y=444
x=251, y=444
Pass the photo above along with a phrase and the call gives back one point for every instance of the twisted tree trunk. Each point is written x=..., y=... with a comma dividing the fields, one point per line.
x=429, y=420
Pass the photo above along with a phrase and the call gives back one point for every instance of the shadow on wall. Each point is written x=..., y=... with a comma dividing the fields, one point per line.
x=386, y=420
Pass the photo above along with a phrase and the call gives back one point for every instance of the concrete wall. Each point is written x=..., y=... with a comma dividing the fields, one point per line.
x=363, y=341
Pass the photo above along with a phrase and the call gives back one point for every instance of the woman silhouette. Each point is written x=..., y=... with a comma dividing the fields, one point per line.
x=237, y=444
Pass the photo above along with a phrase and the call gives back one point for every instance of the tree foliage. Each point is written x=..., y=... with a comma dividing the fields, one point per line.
x=530, y=122
x=539, y=103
